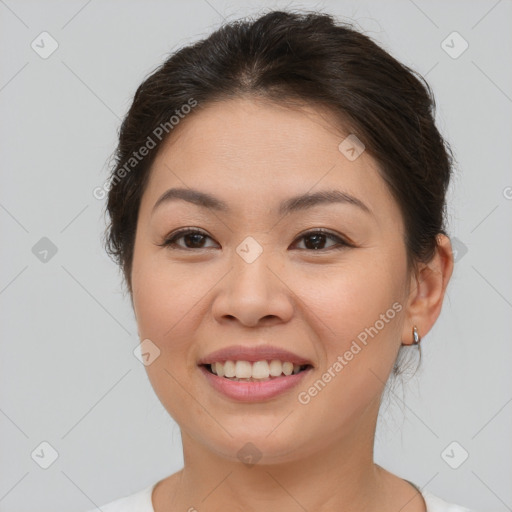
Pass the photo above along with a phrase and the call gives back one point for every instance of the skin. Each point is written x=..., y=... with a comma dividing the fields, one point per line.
x=189, y=302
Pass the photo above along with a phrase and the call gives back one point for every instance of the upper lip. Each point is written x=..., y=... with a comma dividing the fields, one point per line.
x=253, y=354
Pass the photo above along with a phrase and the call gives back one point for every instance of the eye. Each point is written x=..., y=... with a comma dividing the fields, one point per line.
x=193, y=238
x=315, y=240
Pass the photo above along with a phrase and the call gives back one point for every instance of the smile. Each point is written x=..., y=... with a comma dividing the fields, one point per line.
x=253, y=382
x=256, y=371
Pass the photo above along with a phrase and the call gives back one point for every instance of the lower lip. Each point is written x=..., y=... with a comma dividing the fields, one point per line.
x=253, y=391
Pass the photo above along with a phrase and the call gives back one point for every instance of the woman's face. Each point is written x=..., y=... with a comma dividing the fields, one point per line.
x=257, y=275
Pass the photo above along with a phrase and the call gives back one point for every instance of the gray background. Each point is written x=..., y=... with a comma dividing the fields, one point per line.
x=68, y=373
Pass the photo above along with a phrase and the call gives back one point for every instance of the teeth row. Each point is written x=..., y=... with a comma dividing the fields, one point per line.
x=257, y=370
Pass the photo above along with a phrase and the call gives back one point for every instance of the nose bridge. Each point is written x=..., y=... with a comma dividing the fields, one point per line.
x=251, y=275
x=251, y=291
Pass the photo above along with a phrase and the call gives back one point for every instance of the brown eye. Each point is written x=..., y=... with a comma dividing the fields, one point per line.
x=316, y=240
x=192, y=239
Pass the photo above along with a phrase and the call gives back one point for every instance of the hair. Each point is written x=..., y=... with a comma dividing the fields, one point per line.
x=292, y=58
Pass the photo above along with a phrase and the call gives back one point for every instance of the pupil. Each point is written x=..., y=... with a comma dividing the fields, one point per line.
x=319, y=239
x=197, y=239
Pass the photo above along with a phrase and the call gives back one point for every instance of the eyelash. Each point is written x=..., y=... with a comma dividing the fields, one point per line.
x=170, y=242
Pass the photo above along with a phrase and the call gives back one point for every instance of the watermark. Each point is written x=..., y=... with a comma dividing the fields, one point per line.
x=146, y=352
x=249, y=454
x=454, y=45
x=459, y=249
x=249, y=249
x=44, y=45
x=44, y=250
x=44, y=455
x=507, y=192
x=454, y=455
x=351, y=147
x=304, y=397
x=157, y=134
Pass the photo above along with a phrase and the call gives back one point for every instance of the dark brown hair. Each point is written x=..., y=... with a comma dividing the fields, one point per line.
x=297, y=57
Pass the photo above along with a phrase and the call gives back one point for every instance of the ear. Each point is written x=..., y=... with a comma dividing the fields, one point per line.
x=427, y=290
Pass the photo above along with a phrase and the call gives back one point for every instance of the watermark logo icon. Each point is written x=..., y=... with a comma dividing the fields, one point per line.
x=44, y=45
x=146, y=352
x=454, y=45
x=44, y=455
x=44, y=250
x=351, y=147
x=454, y=455
x=249, y=250
x=249, y=454
x=459, y=249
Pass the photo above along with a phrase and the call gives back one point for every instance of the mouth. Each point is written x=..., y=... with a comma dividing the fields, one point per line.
x=259, y=371
x=262, y=387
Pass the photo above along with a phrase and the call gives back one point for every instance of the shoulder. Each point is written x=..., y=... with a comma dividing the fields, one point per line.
x=139, y=501
x=435, y=504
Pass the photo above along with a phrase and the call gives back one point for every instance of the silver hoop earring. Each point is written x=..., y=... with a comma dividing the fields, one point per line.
x=416, y=338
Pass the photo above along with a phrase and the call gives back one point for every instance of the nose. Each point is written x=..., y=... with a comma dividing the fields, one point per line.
x=252, y=294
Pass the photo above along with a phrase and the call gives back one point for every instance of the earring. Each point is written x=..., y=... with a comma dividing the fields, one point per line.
x=416, y=338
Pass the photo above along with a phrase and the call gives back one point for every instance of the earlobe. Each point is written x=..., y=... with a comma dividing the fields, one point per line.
x=428, y=291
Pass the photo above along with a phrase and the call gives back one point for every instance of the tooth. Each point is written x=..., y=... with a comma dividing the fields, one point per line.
x=243, y=370
x=219, y=367
x=260, y=370
x=229, y=369
x=276, y=368
x=287, y=368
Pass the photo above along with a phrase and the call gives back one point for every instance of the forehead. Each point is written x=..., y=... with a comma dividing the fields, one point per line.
x=247, y=150
x=243, y=127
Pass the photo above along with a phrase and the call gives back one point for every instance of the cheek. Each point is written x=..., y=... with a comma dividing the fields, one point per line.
x=357, y=316
x=167, y=304
x=351, y=299
x=170, y=302
x=164, y=296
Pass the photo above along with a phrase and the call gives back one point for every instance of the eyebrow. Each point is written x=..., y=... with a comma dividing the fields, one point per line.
x=291, y=205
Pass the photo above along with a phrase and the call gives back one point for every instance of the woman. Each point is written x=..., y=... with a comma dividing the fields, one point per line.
x=277, y=208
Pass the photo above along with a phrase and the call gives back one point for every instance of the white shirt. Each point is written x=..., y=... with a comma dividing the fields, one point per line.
x=141, y=502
